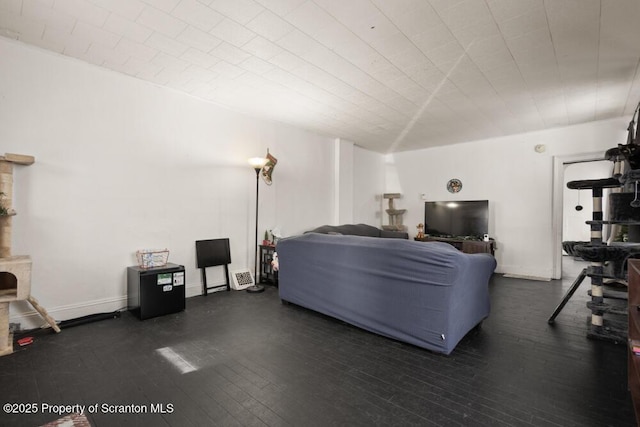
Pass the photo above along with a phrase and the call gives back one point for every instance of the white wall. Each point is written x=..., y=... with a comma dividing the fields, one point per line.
x=343, y=169
x=369, y=184
x=516, y=180
x=122, y=165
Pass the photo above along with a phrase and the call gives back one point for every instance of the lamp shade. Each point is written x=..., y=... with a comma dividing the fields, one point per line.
x=257, y=162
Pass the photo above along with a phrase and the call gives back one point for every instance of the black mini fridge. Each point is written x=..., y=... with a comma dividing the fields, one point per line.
x=155, y=291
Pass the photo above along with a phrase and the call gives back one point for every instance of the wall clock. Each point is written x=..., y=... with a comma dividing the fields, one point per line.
x=454, y=185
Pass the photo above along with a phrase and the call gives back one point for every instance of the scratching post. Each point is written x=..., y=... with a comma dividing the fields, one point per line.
x=395, y=215
x=6, y=199
x=6, y=339
x=15, y=271
x=40, y=309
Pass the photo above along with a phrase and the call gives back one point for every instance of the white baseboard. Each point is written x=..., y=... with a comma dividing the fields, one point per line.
x=28, y=318
x=193, y=290
x=520, y=276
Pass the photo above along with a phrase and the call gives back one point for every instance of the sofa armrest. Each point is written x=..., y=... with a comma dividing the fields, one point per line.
x=394, y=234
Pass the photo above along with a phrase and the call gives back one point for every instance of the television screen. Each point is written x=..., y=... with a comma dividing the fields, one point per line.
x=468, y=218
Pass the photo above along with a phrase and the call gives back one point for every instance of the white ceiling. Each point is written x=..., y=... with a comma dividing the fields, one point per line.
x=389, y=75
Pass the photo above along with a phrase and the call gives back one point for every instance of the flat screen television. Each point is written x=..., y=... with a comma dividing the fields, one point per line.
x=468, y=219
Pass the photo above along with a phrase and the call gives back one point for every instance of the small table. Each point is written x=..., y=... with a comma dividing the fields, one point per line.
x=267, y=273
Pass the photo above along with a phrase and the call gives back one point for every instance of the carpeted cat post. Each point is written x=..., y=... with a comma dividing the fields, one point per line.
x=15, y=271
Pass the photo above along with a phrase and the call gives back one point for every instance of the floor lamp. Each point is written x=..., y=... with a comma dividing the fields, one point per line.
x=257, y=163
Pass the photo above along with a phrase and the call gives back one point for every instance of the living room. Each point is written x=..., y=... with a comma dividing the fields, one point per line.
x=122, y=164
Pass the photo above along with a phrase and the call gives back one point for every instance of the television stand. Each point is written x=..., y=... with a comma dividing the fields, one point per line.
x=467, y=246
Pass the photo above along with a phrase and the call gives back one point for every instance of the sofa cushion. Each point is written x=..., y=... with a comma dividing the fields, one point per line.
x=358, y=230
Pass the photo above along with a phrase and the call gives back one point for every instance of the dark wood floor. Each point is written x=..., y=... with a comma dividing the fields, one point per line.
x=256, y=362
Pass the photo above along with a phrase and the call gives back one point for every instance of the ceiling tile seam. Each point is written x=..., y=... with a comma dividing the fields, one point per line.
x=62, y=6
x=599, y=68
x=226, y=106
x=447, y=72
x=75, y=24
x=331, y=118
x=595, y=110
x=533, y=99
x=102, y=26
x=188, y=25
x=381, y=55
x=294, y=89
x=161, y=69
x=425, y=54
x=636, y=77
x=85, y=52
x=555, y=56
x=326, y=118
x=44, y=24
x=512, y=57
x=489, y=84
x=346, y=100
x=506, y=80
x=158, y=51
x=413, y=44
x=356, y=66
x=444, y=71
x=135, y=22
x=338, y=78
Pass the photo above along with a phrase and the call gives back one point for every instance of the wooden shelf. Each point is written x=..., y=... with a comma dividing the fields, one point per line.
x=467, y=246
x=20, y=159
x=267, y=273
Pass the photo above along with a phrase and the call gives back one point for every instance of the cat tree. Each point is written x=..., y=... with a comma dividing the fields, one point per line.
x=15, y=271
x=608, y=260
x=395, y=215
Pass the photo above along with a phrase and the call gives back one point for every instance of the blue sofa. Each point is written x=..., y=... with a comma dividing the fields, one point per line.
x=426, y=294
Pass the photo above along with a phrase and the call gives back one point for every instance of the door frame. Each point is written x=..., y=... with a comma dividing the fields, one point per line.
x=559, y=163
